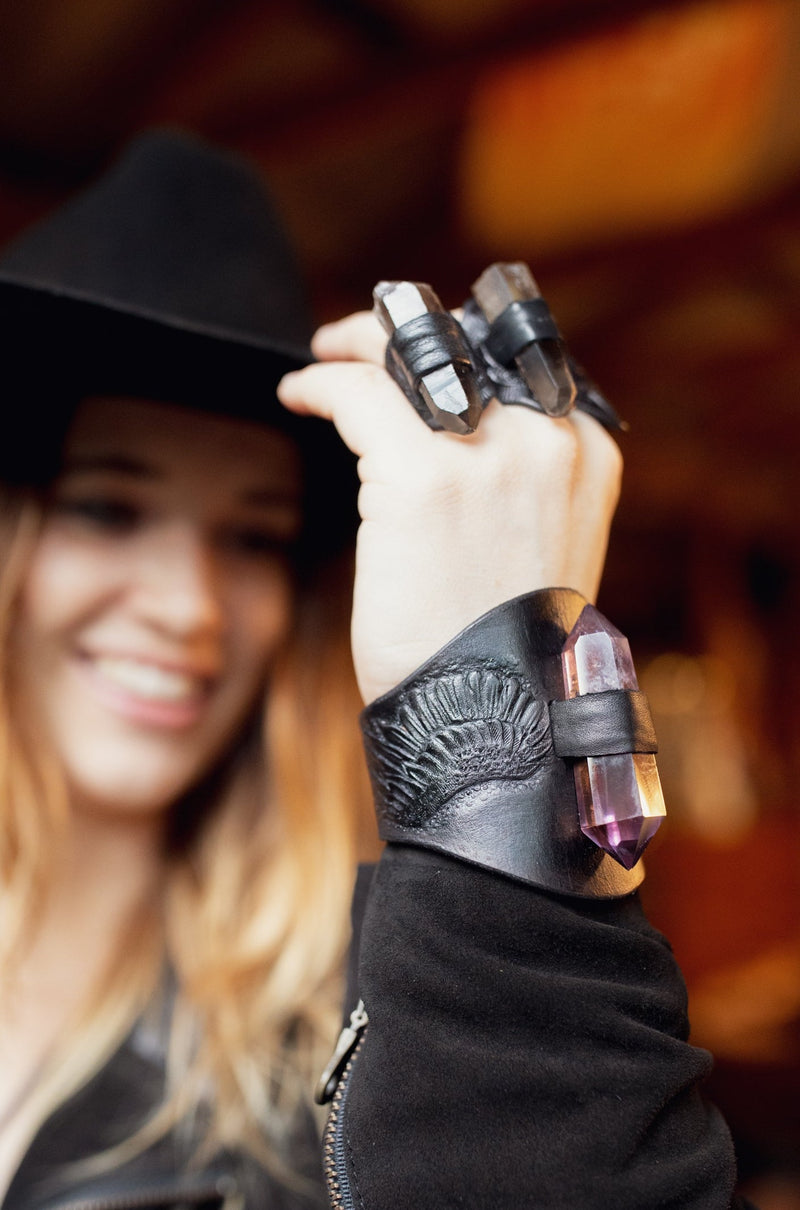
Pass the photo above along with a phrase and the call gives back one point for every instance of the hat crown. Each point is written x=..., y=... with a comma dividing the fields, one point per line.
x=179, y=231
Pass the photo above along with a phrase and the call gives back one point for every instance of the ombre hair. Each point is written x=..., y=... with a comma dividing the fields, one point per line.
x=252, y=919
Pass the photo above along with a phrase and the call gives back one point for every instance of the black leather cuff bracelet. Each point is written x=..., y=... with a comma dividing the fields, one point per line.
x=465, y=758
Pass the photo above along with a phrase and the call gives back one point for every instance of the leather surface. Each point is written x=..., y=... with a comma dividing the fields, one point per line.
x=172, y=1172
x=507, y=384
x=603, y=724
x=428, y=342
x=519, y=325
x=462, y=761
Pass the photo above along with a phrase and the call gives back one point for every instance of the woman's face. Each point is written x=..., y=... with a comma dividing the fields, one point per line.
x=156, y=596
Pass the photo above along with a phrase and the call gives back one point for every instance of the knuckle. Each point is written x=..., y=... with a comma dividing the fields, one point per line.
x=431, y=479
x=604, y=442
x=610, y=463
x=559, y=452
x=372, y=375
x=616, y=462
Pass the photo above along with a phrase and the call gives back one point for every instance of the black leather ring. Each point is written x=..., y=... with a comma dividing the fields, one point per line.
x=518, y=326
x=505, y=383
x=427, y=343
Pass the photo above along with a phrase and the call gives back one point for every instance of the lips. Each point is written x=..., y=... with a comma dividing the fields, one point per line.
x=150, y=681
x=147, y=692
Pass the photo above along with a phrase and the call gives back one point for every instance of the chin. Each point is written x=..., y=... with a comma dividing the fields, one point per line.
x=126, y=790
x=120, y=771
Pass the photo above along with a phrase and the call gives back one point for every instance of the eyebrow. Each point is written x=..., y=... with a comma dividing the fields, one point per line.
x=119, y=464
x=257, y=497
x=268, y=497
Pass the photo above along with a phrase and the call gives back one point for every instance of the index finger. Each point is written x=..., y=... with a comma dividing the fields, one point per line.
x=368, y=409
x=357, y=337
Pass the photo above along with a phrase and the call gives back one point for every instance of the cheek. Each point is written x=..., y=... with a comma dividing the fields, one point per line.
x=260, y=618
x=64, y=582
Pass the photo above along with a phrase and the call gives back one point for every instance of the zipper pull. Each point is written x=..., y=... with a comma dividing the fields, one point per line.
x=345, y=1045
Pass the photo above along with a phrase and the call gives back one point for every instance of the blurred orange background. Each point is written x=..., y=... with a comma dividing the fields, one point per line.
x=645, y=159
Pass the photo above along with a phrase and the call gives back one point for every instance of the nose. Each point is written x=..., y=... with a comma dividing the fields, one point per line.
x=177, y=586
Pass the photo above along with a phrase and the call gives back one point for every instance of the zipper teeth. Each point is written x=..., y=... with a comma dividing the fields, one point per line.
x=332, y=1159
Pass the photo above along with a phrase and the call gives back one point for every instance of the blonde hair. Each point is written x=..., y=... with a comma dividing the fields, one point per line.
x=253, y=920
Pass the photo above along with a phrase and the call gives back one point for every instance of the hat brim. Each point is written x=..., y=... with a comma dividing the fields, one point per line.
x=61, y=347
x=96, y=346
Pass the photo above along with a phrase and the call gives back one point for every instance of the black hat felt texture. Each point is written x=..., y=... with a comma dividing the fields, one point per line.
x=170, y=278
x=176, y=250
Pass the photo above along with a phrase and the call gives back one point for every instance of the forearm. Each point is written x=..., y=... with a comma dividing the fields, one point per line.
x=523, y=1048
x=528, y=1031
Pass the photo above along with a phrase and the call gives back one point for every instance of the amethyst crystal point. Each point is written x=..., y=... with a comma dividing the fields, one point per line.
x=620, y=802
x=596, y=656
x=448, y=392
x=542, y=363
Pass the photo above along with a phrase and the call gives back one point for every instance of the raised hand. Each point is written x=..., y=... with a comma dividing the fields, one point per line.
x=452, y=525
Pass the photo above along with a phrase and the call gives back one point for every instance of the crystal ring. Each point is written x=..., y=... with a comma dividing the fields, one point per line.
x=506, y=347
x=429, y=356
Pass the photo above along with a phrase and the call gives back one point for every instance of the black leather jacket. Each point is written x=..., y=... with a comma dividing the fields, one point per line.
x=524, y=1049
x=116, y=1101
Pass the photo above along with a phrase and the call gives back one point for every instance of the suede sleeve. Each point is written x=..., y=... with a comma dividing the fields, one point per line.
x=524, y=1050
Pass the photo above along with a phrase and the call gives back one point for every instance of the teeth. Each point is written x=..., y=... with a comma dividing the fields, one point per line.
x=149, y=681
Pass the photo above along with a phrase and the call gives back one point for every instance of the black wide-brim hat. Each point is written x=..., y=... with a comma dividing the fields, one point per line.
x=169, y=279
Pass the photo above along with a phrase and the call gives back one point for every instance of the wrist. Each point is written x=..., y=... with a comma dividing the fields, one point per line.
x=462, y=756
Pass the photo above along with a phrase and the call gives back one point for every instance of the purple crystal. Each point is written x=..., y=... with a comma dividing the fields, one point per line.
x=596, y=656
x=620, y=802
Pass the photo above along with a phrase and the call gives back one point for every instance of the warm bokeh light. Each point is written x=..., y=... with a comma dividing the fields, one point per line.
x=644, y=157
x=703, y=754
x=656, y=123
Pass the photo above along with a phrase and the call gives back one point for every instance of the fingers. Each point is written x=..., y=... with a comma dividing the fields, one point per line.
x=358, y=337
x=369, y=411
x=571, y=458
x=350, y=387
x=373, y=416
x=602, y=454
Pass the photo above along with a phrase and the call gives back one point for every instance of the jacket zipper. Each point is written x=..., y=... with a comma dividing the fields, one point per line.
x=333, y=1085
x=345, y=1044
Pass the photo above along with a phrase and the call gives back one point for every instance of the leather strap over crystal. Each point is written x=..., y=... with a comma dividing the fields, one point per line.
x=606, y=723
x=462, y=761
x=519, y=325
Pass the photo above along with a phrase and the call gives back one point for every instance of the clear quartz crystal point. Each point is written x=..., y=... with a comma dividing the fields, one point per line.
x=620, y=802
x=543, y=364
x=450, y=393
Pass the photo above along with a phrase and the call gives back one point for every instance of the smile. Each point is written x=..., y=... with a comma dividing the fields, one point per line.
x=146, y=693
x=149, y=680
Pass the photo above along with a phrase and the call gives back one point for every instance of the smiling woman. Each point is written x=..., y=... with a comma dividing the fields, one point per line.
x=167, y=852
x=179, y=786
x=156, y=598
